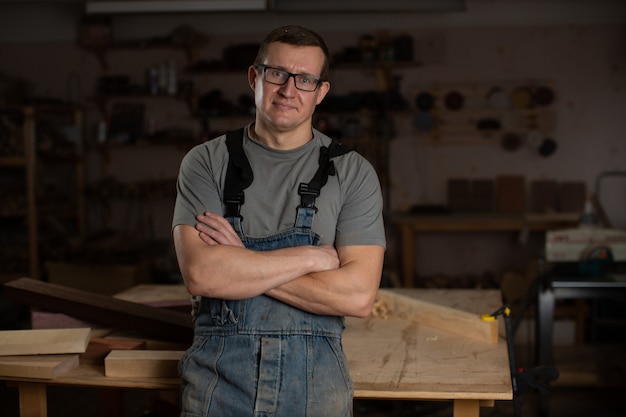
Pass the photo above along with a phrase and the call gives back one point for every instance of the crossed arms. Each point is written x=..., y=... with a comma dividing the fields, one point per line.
x=318, y=279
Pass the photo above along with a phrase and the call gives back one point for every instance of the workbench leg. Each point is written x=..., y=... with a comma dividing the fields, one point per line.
x=111, y=402
x=32, y=399
x=466, y=408
x=545, y=326
x=408, y=255
x=544, y=335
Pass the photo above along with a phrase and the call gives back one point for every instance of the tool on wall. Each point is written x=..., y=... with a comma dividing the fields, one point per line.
x=521, y=378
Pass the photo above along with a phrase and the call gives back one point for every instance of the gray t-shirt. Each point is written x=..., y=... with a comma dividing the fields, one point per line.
x=349, y=207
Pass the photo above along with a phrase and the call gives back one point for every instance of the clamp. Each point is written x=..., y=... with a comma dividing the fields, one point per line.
x=521, y=378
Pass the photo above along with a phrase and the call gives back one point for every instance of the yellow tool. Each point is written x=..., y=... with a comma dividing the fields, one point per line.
x=506, y=311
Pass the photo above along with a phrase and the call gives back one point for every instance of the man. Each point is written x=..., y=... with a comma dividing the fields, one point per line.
x=279, y=235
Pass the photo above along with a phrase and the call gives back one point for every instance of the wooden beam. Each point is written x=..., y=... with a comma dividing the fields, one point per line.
x=142, y=363
x=37, y=367
x=103, y=309
x=435, y=315
x=42, y=342
x=99, y=348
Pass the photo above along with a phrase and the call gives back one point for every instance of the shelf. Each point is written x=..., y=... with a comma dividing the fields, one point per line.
x=41, y=210
x=12, y=161
x=103, y=100
x=101, y=52
x=219, y=69
x=27, y=202
x=375, y=64
x=214, y=70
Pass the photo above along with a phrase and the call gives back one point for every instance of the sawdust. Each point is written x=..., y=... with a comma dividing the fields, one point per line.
x=380, y=309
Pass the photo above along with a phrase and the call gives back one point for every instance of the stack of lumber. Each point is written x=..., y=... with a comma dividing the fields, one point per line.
x=50, y=353
x=124, y=356
x=42, y=354
x=102, y=309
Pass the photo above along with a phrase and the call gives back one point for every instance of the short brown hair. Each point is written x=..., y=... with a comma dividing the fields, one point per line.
x=298, y=36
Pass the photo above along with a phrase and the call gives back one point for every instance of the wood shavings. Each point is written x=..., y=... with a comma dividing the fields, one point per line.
x=380, y=309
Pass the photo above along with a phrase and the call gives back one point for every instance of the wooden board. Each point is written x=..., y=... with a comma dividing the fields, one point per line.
x=103, y=309
x=142, y=363
x=467, y=324
x=99, y=348
x=172, y=297
x=156, y=294
x=403, y=359
x=40, y=366
x=42, y=342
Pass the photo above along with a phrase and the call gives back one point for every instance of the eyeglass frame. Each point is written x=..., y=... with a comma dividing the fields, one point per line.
x=264, y=68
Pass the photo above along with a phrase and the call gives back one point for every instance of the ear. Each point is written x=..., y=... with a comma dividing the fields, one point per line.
x=322, y=90
x=252, y=74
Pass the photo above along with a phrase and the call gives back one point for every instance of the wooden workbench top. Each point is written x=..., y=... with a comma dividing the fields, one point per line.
x=402, y=359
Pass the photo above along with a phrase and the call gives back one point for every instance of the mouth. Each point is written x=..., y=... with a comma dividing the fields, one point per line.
x=284, y=106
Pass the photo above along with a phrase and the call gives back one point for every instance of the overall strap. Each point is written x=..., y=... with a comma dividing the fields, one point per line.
x=308, y=192
x=238, y=174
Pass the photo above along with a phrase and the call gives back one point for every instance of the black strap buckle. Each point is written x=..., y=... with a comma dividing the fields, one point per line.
x=308, y=195
x=233, y=204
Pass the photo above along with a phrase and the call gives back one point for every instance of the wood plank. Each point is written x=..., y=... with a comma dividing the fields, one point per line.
x=471, y=325
x=44, y=341
x=99, y=348
x=151, y=343
x=403, y=359
x=142, y=363
x=153, y=294
x=170, y=296
x=38, y=367
x=103, y=309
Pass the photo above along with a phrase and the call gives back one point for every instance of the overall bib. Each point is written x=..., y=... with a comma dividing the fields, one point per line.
x=260, y=357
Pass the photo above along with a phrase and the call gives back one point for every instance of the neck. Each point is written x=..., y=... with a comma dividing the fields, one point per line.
x=281, y=140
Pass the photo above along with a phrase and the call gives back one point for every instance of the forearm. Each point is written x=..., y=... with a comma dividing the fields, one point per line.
x=231, y=272
x=347, y=291
x=234, y=272
x=317, y=294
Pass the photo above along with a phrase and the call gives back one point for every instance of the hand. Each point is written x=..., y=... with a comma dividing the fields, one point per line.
x=215, y=230
x=329, y=258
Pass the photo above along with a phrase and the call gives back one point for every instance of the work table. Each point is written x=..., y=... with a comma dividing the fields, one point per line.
x=412, y=224
x=388, y=358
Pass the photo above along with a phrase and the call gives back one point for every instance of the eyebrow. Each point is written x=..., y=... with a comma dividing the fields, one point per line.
x=296, y=73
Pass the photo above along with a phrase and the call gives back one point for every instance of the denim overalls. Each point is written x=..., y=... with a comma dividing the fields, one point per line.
x=260, y=357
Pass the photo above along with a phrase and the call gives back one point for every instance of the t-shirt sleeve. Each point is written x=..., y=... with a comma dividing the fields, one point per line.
x=361, y=218
x=197, y=188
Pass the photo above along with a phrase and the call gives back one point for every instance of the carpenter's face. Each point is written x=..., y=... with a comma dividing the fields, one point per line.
x=285, y=107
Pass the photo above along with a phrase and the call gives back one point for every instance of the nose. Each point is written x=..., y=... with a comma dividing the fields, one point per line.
x=288, y=86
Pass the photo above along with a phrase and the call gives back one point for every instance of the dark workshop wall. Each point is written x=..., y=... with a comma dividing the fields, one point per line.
x=578, y=49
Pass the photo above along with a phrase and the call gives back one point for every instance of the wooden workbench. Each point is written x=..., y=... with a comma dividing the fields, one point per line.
x=387, y=358
x=410, y=225
x=400, y=359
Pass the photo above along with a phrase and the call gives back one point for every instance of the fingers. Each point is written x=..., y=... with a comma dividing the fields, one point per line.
x=215, y=229
x=207, y=239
